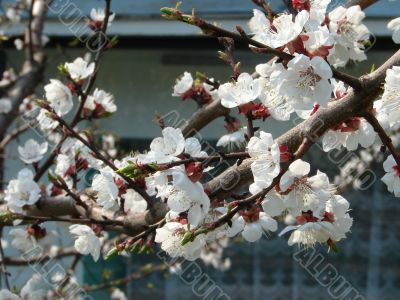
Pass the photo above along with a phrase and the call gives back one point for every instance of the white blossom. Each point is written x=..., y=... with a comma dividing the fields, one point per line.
x=350, y=135
x=171, y=235
x=37, y=288
x=319, y=41
x=390, y=103
x=233, y=140
x=32, y=151
x=183, y=84
x=273, y=204
x=318, y=10
x=167, y=148
x=106, y=188
x=333, y=225
x=117, y=294
x=19, y=44
x=86, y=241
x=309, y=233
x=305, y=81
x=265, y=153
x=45, y=122
x=101, y=98
x=193, y=148
x=304, y=193
x=134, y=203
x=13, y=15
x=392, y=176
x=185, y=195
x=253, y=230
x=277, y=104
x=244, y=90
x=394, y=25
x=22, y=240
x=7, y=295
x=98, y=15
x=281, y=32
x=346, y=23
x=211, y=90
x=59, y=97
x=25, y=242
x=23, y=190
x=79, y=69
x=5, y=105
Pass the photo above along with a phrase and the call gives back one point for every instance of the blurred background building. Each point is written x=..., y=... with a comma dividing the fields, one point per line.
x=141, y=71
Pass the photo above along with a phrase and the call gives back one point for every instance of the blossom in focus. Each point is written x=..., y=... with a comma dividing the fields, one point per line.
x=32, y=151
x=86, y=241
x=265, y=153
x=244, y=90
x=171, y=235
x=392, y=176
x=252, y=225
x=23, y=190
x=303, y=193
x=168, y=147
x=351, y=35
x=59, y=97
x=99, y=104
x=233, y=140
x=46, y=123
x=349, y=134
x=273, y=204
x=98, y=16
x=79, y=69
x=183, y=84
x=282, y=31
x=277, y=104
x=331, y=226
x=305, y=82
x=185, y=195
x=106, y=188
x=319, y=41
x=390, y=102
x=394, y=25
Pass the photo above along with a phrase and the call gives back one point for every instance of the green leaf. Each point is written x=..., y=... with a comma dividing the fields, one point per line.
x=113, y=252
x=188, y=237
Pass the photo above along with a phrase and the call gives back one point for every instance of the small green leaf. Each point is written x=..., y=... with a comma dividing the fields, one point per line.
x=188, y=237
x=113, y=252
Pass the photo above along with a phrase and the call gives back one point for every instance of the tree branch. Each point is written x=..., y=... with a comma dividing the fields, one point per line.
x=31, y=74
x=354, y=104
x=386, y=140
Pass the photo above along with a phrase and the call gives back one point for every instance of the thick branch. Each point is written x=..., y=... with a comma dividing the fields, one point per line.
x=12, y=261
x=53, y=207
x=202, y=117
x=354, y=104
x=32, y=72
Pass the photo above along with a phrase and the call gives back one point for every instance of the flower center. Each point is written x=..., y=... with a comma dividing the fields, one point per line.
x=396, y=170
x=308, y=78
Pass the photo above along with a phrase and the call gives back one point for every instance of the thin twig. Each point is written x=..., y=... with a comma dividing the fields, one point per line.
x=15, y=133
x=145, y=271
x=215, y=31
x=386, y=140
x=82, y=94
